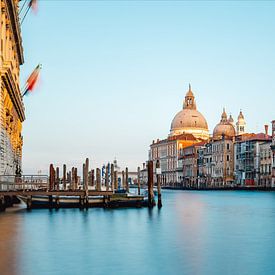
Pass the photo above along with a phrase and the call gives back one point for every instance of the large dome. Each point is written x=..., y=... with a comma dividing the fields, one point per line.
x=189, y=120
x=224, y=128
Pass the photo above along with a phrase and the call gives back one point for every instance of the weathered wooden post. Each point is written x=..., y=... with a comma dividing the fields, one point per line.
x=115, y=180
x=127, y=180
x=93, y=177
x=112, y=176
x=29, y=202
x=107, y=178
x=158, y=173
x=123, y=180
x=83, y=175
x=72, y=179
x=75, y=179
x=51, y=178
x=150, y=183
x=86, y=176
x=57, y=179
x=98, y=179
x=64, y=176
x=138, y=180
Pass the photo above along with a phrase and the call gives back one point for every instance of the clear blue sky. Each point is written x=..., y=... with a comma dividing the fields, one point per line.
x=115, y=74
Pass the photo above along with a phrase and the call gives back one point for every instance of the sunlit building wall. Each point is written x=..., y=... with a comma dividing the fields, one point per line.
x=11, y=105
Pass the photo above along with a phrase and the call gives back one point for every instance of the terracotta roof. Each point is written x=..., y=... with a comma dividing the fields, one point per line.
x=252, y=136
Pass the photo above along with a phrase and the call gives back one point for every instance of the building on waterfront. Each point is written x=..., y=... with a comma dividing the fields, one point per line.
x=223, y=152
x=11, y=105
x=191, y=164
x=189, y=157
x=187, y=128
x=143, y=176
x=265, y=164
x=248, y=158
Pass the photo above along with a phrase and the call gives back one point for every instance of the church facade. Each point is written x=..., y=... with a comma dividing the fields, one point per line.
x=187, y=128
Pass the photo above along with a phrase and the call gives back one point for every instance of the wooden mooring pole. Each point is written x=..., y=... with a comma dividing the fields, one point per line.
x=150, y=170
x=123, y=180
x=158, y=174
x=138, y=180
x=112, y=177
x=86, y=184
x=57, y=179
x=52, y=178
x=98, y=180
x=127, y=180
x=72, y=179
x=115, y=180
x=92, y=177
x=75, y=179
x=64, y=176
x=107, y=178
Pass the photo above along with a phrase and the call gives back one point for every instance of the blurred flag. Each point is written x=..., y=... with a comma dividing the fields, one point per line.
x=33, y=5
x=32, y=80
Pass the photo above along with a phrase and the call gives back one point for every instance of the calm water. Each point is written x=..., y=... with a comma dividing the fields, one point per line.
x=194, y=233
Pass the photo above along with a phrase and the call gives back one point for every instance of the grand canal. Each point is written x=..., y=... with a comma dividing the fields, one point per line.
x=231, y=232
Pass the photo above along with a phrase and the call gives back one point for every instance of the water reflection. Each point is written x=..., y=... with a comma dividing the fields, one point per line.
x=194, y=233
x=10, y=241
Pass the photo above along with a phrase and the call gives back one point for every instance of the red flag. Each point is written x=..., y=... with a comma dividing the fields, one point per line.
x=33, y=5
x=32, y=80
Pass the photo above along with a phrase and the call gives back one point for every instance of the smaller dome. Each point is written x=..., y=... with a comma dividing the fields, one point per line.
x=224, y=128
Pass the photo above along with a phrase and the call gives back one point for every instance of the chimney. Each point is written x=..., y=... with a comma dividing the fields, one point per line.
x=153, y=142
x=266, y=130
x=144, y=165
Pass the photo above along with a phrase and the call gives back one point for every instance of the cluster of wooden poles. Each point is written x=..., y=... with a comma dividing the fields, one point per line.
x=91, y=178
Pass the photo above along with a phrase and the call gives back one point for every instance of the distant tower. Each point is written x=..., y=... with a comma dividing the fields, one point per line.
x=241, y=124
x=231, y=120
x=189, y=101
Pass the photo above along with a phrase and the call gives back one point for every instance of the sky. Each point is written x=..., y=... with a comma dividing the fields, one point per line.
x=115, y=73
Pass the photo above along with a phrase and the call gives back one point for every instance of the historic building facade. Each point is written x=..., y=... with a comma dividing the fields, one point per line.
x=189, y=157
x=223, y=152
x=248, y=158
x=191, y=164
x=11, y=105
x=265, y=163
x=187, y=128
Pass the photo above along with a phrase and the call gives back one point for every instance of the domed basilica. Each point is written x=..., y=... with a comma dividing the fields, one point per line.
x=189, y=128
x=189, y=120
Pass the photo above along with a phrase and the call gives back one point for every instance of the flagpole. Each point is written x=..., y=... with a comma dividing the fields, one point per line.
x=25, y=14
x=24, y=92
x=23, y=6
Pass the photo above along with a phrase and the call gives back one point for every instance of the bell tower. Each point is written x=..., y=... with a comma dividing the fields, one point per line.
x=241, y=124
x=189, y=101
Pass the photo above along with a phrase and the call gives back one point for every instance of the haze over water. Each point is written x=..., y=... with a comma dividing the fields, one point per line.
x=194, y=233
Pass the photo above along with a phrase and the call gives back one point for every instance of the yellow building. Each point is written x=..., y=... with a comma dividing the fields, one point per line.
x=11, y=105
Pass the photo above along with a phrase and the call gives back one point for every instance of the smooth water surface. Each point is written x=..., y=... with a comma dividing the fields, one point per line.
x=207, y=232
